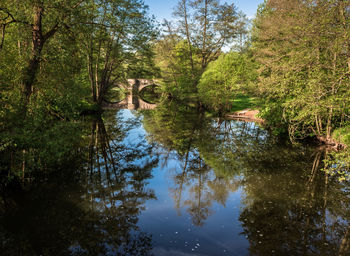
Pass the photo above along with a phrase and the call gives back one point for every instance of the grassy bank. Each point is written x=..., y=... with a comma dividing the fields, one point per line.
x=243, y=102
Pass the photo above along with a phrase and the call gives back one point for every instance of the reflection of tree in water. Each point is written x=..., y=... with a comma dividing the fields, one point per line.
x=179, y=131
x=290, y=206
x=301, y=212
x=84, y=211
x=195, y=177
x=117, y=183
x=201, y=188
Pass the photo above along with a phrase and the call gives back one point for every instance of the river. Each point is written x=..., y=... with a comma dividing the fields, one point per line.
x=172, y=181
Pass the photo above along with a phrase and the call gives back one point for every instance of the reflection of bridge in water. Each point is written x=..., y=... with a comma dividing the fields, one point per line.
x=132, y=99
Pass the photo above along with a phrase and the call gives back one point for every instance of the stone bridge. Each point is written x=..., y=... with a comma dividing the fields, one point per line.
x=132, y=100
x=138, y=84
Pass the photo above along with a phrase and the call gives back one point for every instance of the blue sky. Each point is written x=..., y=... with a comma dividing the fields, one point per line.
x=162, y=9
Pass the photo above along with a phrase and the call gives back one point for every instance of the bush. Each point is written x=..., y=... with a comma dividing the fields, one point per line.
x=223, y=79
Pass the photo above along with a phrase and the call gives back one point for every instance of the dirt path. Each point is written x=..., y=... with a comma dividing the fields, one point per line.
x=246, y=114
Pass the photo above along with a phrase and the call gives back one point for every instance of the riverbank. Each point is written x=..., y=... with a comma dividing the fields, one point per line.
x=246, y=114
x=339, y=140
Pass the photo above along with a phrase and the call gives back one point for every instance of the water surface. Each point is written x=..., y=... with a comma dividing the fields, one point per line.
x=172, y=181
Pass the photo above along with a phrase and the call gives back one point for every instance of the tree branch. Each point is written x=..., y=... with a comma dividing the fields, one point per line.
x=13, y=19
x=51, y=32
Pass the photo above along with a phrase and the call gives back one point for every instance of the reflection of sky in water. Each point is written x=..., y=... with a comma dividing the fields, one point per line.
x=177, y=183
x=220, y=231
x=172, y=230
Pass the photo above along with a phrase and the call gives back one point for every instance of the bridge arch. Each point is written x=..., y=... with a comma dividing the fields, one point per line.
x=139, y=84
x=132, y=99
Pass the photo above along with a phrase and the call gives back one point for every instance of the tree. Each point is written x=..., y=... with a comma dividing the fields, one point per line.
x=118, y=33
x=210, y=27
x=44, y=79
x=177, y=70
x=303, y=51
x=40, y=20
x=206, y=26
x=224, y=78
x=113, y=33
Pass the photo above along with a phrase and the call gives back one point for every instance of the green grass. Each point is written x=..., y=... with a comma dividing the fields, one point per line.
x=243, y=102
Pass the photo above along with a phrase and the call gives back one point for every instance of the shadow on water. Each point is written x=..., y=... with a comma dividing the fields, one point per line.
x=103, y=186
x=88, y=204
x=288, y=207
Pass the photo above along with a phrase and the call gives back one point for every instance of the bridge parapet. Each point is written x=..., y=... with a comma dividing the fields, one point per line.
x=138, y=83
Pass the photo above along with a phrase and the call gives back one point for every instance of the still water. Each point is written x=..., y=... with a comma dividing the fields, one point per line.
x=172, y=181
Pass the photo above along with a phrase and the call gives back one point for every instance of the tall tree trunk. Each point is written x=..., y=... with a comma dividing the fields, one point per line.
x=91, y=73
x=188, y=37
x=38, y=41
x=34, y=62
x=204, y=62
x=342, y=11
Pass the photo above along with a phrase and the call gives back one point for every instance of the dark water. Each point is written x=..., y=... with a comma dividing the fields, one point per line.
x=171, y=182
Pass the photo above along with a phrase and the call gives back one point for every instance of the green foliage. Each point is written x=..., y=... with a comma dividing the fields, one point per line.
x=115, y=94
x=225, y=78
x=338, y=162
x=112, y=57
x=272, y=111
x=208, y=25
x=303, y=52
x=202, y=29
x=54, y=55
x=303, y=55
x=177, y=76
x=342, y=135
x=142, y=64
